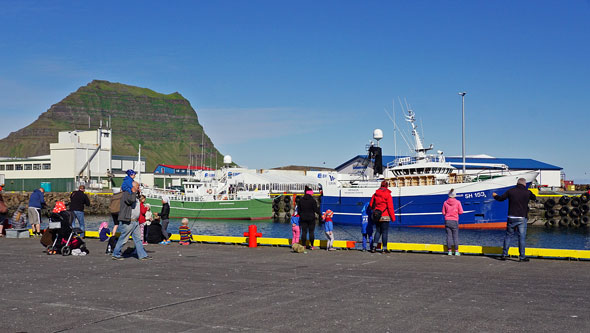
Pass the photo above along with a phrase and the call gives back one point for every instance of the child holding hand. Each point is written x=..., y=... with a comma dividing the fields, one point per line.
x=295, y=226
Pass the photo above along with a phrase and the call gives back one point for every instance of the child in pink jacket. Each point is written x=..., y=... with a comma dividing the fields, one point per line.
x=451, y=210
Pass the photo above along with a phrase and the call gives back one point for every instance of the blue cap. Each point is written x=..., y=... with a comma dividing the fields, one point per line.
x=130, y=172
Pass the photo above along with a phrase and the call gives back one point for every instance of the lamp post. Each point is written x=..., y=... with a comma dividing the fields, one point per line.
x=463, y=125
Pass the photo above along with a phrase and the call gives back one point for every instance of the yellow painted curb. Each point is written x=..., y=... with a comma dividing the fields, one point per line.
x=406, y=247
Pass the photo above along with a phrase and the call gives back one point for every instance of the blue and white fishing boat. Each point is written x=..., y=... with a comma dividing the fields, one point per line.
x=419, y=186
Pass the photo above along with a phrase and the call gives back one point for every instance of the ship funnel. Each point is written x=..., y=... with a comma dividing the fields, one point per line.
x=377, y=134
x=227, y=159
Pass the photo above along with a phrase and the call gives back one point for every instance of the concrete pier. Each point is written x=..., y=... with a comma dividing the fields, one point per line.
x=207, y=287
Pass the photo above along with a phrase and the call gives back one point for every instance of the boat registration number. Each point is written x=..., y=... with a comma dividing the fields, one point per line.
x=475, y=195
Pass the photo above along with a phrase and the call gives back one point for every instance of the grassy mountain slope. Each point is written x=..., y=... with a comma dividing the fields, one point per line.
x=164, y=125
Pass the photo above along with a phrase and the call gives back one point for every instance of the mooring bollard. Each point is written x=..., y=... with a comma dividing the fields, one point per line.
x=252, y=234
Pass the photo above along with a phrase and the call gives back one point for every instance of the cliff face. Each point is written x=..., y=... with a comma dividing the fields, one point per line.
x=164, y=125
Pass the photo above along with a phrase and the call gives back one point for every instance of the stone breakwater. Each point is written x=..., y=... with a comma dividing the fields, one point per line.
x=99, y=204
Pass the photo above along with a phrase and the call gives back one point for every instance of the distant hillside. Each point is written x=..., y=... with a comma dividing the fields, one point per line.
x=164, y=125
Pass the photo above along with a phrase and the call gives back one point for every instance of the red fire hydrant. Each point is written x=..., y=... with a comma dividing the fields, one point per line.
x=252, y=234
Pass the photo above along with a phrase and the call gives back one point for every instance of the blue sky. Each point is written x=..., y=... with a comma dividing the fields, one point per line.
x=305, y=82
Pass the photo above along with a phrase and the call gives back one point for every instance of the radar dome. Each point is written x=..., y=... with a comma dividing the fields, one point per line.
x=377, y=134
x=227, y=159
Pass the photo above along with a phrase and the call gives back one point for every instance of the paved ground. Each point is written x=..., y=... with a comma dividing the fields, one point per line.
x=207, y=287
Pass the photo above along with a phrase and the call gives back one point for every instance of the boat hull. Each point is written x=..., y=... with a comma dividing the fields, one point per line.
x=252, y=209
x=421, y=206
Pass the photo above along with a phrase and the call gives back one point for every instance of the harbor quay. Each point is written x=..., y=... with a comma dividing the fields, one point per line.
x=215, y=287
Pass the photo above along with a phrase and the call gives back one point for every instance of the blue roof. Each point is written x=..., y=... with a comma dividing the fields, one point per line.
x=512, y=163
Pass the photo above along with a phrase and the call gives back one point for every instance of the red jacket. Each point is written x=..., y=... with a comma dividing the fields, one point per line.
x=383, y=201
x=142, y=211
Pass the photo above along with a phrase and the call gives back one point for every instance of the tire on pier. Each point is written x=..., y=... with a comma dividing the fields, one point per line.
x=287, y=199
x=564, y=211
x=553, y=222
x=584, y=209
x=297, y=198
x=564, y=200
x=275, y=207
x=575, y=202
x=549, y=213
x=548, y=225
x=584, y=220
x=549, y=203
x=277, y=200
x=564, y=222
x=275, y=216
x=575, y=212
x=576, y=222
x=585, y=197
x=287, y=216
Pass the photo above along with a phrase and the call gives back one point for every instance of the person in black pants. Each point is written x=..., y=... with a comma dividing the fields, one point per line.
x=307, y=209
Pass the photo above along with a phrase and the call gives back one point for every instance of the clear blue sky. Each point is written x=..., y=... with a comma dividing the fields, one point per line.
x=305, y=82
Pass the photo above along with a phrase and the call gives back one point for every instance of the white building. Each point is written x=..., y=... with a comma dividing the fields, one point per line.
x=77, y=156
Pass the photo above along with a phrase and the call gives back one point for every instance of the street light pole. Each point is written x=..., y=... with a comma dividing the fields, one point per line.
x=463, y=125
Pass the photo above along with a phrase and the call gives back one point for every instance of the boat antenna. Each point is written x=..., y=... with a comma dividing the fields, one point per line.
x=401, y=133
x=394, y=128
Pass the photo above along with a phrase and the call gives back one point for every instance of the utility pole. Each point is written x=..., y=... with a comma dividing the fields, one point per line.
x=463, y=125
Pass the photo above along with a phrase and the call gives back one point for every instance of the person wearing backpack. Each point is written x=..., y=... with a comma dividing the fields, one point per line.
x=382, y=213
x=114, y=209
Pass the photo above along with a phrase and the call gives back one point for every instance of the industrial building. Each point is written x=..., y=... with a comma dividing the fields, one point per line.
x=78, y=157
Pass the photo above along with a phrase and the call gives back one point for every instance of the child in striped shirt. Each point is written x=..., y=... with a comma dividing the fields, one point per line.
x=185, y=232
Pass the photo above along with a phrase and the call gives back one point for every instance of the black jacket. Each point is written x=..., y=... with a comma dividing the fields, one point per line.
x=518, y=200
x=77, y=201
x=165, y=211
x=154, y=233
x=307, y=208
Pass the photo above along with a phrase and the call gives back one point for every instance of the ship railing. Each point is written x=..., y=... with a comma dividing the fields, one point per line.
x=412, y=160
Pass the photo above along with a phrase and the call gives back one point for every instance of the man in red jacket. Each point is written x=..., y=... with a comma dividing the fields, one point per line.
x=382, y=204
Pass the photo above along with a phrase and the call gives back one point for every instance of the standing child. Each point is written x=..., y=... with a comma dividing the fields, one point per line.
x=185, y=232
x=295, y=226
x=142, y=218
x=366, y=226
x=451, y=210
x=128, y=181
x=329, y=228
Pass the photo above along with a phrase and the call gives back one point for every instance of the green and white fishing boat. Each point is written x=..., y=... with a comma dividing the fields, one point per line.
x=220, y=194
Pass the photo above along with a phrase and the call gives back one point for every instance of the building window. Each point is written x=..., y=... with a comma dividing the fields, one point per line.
x=46, y=166
x=2, y=166
x=18, y=167
x=28, y=167
x=36, y=166
x=9, y=167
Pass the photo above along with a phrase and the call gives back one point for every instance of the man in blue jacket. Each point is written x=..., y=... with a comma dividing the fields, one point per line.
x=36, y=203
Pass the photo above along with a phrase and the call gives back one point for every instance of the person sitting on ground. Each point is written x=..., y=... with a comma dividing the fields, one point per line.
x=103, y=231
x=19, y=219
x=185, y=232
x=329, y=228
x=154, y=233
x=128, y=181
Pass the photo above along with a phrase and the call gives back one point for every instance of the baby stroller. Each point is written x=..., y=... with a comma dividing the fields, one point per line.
x=65, y=239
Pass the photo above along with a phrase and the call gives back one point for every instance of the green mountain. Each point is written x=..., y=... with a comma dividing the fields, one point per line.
x=166, y=126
